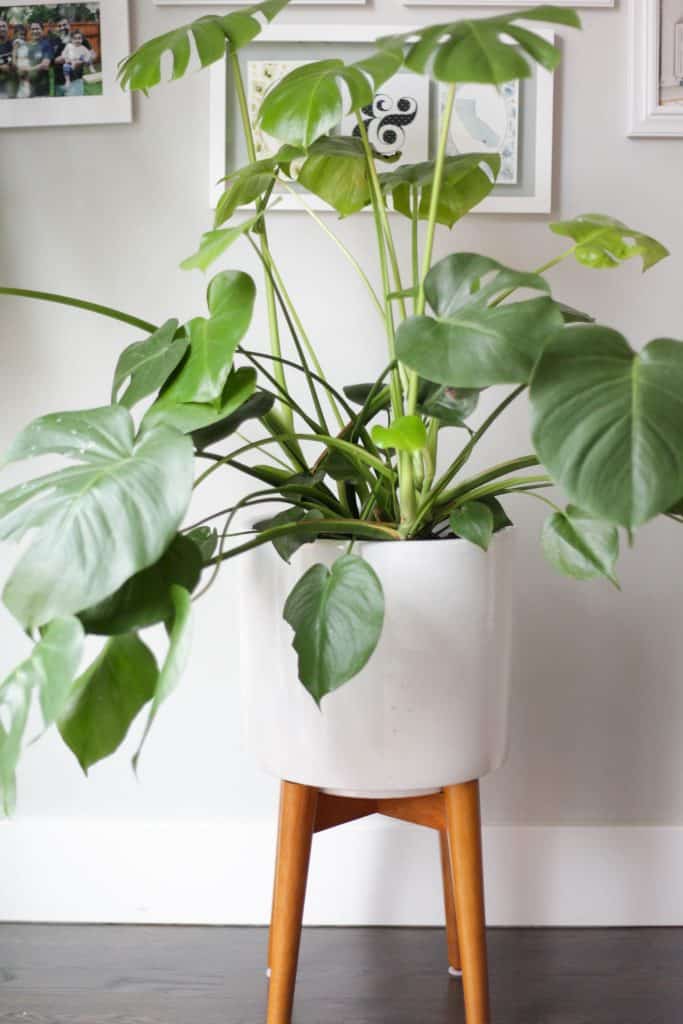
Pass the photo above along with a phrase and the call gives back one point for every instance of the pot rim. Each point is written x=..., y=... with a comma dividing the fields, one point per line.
x=507, y=530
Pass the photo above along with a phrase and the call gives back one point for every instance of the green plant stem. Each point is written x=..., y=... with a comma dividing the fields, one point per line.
x=494, y=473
x=415, y=243
x=500, y=487
x=348, y=255
x=89, y=307
x=271, y=307
x=539, y=270
x=540, y=497
x=296, y=366
x=273, y=458
x=464, y=456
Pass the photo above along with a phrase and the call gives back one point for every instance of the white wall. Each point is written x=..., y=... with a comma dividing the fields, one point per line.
x=107, y=213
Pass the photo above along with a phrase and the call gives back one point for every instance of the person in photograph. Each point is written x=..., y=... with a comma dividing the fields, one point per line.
x=40, y=60
x=77, y=57
x=8, y=76
x=21, y=61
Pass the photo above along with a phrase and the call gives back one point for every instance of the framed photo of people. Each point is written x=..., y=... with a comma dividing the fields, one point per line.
x=403, y=121
x=656, y=94
x=58, y=63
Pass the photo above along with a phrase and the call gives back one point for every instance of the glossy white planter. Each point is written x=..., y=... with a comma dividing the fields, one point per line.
x=430, y=709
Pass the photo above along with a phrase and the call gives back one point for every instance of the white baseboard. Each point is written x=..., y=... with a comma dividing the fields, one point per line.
x=367, y=873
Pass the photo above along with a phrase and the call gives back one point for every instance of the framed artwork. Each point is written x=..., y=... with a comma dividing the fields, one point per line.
x=505, y=3
x=58, y=63
x=402, y=121
x=656, y=91
x=244, y=3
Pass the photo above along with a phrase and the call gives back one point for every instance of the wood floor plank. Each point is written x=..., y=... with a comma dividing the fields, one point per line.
x=75, y=974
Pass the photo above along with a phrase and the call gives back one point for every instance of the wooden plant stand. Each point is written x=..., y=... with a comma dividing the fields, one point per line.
x=453, y=812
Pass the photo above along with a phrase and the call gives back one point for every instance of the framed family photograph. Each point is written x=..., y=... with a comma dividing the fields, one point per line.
x=58, y=63
x=656, y=92
x=403, y=120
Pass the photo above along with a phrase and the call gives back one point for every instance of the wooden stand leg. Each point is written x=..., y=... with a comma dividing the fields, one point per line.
x=298, y=806
x=454, y=967
x=464, y=833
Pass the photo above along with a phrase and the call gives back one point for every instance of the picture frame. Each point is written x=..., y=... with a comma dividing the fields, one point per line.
x=506, y=3
x=531, y=193
x=90, y=94
x=245, y=3
x=648, y=115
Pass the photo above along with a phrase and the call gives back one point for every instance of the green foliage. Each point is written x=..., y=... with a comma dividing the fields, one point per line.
x=96, y=523
x=148, y=364
x=608, y=422
x=467, y=180
x=49, y=671
x=451, y=406
x=107, y=698
x=580, y=546
x=603, y=242
x=247, y=184
x=479, y=51
x=406, y=434
x=214, y=243
x=335, y=170
x=471, y=342
x=337, y=615
x=289, y=544
x=310, y=101
x=211, y=35
x=195, y=417
x=473, y=522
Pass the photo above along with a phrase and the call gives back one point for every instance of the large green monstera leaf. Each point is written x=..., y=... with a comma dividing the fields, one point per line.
x=313, y=99
x=608, y=422
x=480, y=51
x=99, y=522
x=467, y=180
x=211, y=35
x=471, y=342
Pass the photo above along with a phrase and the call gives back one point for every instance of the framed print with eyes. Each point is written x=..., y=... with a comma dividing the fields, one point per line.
x=402, y=122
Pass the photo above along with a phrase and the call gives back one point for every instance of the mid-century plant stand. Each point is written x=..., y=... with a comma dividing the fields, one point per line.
x=454, y=812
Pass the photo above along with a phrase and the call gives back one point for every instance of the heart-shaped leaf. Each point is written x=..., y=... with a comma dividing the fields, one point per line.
x=336, y=170
x=145, y=598
x=194, y=417
x=97, y=523
x=212, y=35
x=107, y=698
x=337, y=615
x=474, y=522
x=581, y=546
x=451, y=406
x=49, y=670
x=467, y=179
x=148, y=364
x=603, y=242
x=206, y=539
x=608, y=422
x=254, y=408
x=214, y=243
x=480, y=50
x=470, y=343
x=213, y=341
x=405, y=434
x=314, y=98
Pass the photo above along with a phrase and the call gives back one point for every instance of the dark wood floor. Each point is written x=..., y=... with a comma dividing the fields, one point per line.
x=70, y=974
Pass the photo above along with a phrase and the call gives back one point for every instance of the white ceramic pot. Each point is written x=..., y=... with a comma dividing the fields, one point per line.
x=430, y=709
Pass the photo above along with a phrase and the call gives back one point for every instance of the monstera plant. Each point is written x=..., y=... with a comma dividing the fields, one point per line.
x=111, y=550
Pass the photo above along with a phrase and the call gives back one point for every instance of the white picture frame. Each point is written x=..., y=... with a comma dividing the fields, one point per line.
x=506, y=3
x=540, y=202
x=114, y=106
x=245, y=3
x=648, y=117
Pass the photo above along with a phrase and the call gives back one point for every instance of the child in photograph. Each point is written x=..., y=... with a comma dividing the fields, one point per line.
x=76, y=55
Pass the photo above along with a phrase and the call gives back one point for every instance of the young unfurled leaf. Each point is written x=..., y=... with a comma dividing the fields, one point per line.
x=467, y=179
x=580, y=546
x=468, y=342
x=145, y=598
x=49, y=670
x=480, y=50
x=107, y=698
x=603, y=242
x=474, y=522
x=97, y=523
x=313, y=99
x=211, y=34
x=405, y=434
x=213, y=341
x=149, y=364
x=607, y=422
x=337, y=615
